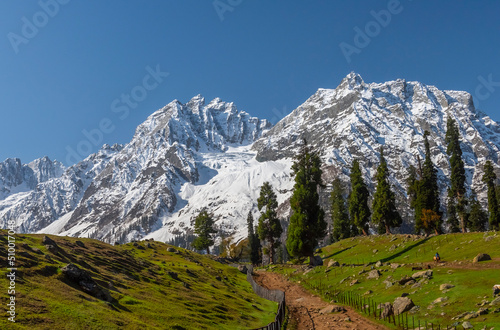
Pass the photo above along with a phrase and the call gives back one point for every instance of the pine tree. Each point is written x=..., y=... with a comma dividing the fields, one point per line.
x=307, y=224
x=269, y=225
x=489, y=178
x=253, y=241
x=204, y=228
x=385, y=214
x=428, y=192
x=413, y=190
x=358, y=199
x=477, y=217
x=452, y=214
x=340, y=218
x=457, y=190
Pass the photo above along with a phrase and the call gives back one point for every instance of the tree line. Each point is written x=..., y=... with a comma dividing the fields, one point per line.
x=351, y=214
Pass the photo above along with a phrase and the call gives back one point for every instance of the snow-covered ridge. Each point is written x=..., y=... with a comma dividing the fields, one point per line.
x=354, y=120
x=125, y=192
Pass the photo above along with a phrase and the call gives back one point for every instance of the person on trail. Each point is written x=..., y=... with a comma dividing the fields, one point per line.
x=437, y=257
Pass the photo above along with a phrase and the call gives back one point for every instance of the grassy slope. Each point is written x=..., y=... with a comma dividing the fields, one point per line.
x=147, y=297
x=473, y=282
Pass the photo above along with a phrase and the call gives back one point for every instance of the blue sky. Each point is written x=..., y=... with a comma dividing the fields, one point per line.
x=65, y=64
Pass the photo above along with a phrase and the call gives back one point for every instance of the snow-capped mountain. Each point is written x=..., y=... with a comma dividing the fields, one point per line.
x=16, y=177
x=125, y=192
x=188, y=156
x=355, y=119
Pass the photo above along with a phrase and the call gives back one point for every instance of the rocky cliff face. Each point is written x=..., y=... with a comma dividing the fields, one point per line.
x=188, y=156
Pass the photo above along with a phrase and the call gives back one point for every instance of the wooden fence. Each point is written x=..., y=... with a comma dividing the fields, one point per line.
x=273, y=295
x=371, y=308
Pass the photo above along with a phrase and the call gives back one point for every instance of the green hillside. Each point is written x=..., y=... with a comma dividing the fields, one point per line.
x=472, y=282
x=139, y=286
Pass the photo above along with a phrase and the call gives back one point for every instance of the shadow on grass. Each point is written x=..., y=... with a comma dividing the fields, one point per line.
x=400, y=253
x=338, y=252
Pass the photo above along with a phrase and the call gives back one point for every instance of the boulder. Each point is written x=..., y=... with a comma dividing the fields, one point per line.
x=387, y=310
x=424, y=274
x=446, y=286
x=402, y=304
x=405, y=280
x=395, y=266
x=378, y=264
x=332, y=309
x=333, y=263
x=85, y=281
x=243, y=269
x=318, y=261
x=388, y=284
x=495, y=302
x=439, y=300
x=353, y=282
x=46, y=240
x=481, y=257
x=467, y=325
x=171, y=249
x=80, y=244
x=373, y=274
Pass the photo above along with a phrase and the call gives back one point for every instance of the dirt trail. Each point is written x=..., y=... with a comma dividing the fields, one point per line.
x=305, y=307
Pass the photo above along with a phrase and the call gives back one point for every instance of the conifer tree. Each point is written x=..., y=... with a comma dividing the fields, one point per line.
x=307, y=224
x=452, y=214
x=269, y=225
x=358, y=199
x=489, y=178
x=385, y=214
x=477, y=218
x=428, y=193
x=340, y=218
x=253, y=240
x=457, y=190
x=204, y=228
x=413, y=183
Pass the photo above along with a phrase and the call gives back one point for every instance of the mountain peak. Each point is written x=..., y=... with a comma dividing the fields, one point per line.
x=352, y=80
x=196, y=101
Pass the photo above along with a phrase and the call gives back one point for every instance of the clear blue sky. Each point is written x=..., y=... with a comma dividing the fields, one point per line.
x=263, y=55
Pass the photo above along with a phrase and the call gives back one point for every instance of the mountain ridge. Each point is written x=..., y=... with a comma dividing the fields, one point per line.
x=184, y=157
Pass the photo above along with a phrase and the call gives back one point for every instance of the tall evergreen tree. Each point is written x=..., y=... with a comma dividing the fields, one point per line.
x=385, y=214
x=253, y=241
x=428, y=195
x=457, y=190
x=489, y=178
x=204, y=228
x=477, y=217
x=269, y=225
x=453, y=221
x=413, y=190
x=340, y=218
x=358, y=199
x=307, y=224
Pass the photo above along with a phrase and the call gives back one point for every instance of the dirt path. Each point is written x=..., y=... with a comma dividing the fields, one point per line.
x=305, y=308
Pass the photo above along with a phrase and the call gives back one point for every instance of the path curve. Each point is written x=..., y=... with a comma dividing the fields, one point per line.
x=305, y=307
